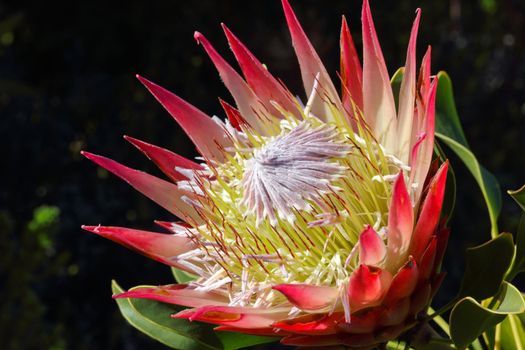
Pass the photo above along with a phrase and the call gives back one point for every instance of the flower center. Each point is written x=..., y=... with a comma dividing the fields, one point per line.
x=289, y=209
x=294, y=168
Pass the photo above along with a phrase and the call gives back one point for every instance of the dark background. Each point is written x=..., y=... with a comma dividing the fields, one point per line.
x=67, y=83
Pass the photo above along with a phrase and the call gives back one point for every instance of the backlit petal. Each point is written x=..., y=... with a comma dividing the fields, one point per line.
x=311, y=66
x=378, y=100
x=240, y=317
x=161, y=247
x=400, y=223
x=167, y=161
x=407, y=94
x=164, y=193
x=179, y=294
x=247, y=102
x=351, y=71
x=372, y=250
x=430, y=212
x=367, y=287
x=259, y=78
x=404, y=282
x=308, y=297
x=208, y=136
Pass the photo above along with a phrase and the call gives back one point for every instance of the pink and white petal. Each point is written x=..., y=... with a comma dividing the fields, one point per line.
x=174, y=227
x=367, y=287
x=207, y=135
x=423, y=87
x=413, y=159
x=248, y=103
x=267, y=331
x=309, y=297
x=351, y=71
x=378, y=100
x=178, y=294
x=426, y=267
x=400, y=223
x=363, y=322
x=407, y=94
x=429, y=213
x=312, y=341
x=234, y=116
x=167, y=161
x=259, y=78
x=404, y=282
x=425, y=153
x=372, y=249
x=424, y=73
x=311, y=66
x=164, y=193
x=161, y=247
x=311, y=324
x=239, y=317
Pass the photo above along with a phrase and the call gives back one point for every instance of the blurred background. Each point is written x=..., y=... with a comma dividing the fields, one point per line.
x=67, y=84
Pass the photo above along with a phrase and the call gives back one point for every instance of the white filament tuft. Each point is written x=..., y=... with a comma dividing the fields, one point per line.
x=294, y=167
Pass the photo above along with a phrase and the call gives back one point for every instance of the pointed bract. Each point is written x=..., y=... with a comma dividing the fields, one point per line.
x=247, y=102
x=430, y=212
x=167, y=161
x=208, y=136
x=240, y=317
x=179, y=294
x=400, y=222
x=311, y=67
x=378, y=100
x=308, y=297
x=372, y=250
x=367, y=287
x=404, y=281
x=233, y=115
x=260, y=80
x=164, y=193
x=351, y=71
x=312, y=324
x=161, y=247
x=407, y=94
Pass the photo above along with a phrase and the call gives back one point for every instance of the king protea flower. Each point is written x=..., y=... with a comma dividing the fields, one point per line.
x=316, y=222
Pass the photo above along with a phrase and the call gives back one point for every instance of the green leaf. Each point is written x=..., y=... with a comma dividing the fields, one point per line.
x=449, y=130
x=519, y=196
x=182, y=277
x=486, y=267
x=519, y=260
x=233, y=340
x=469, y=319
x=395, y=82
x=512, y=333
x=153, y=318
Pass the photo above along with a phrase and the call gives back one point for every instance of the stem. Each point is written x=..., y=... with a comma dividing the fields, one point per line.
x=515, y=333
x=497, y=337
x=476, y=345
x=440, y=321
x=444, y=309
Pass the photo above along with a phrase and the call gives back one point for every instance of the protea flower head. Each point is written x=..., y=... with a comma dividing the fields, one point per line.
x=316, y=222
